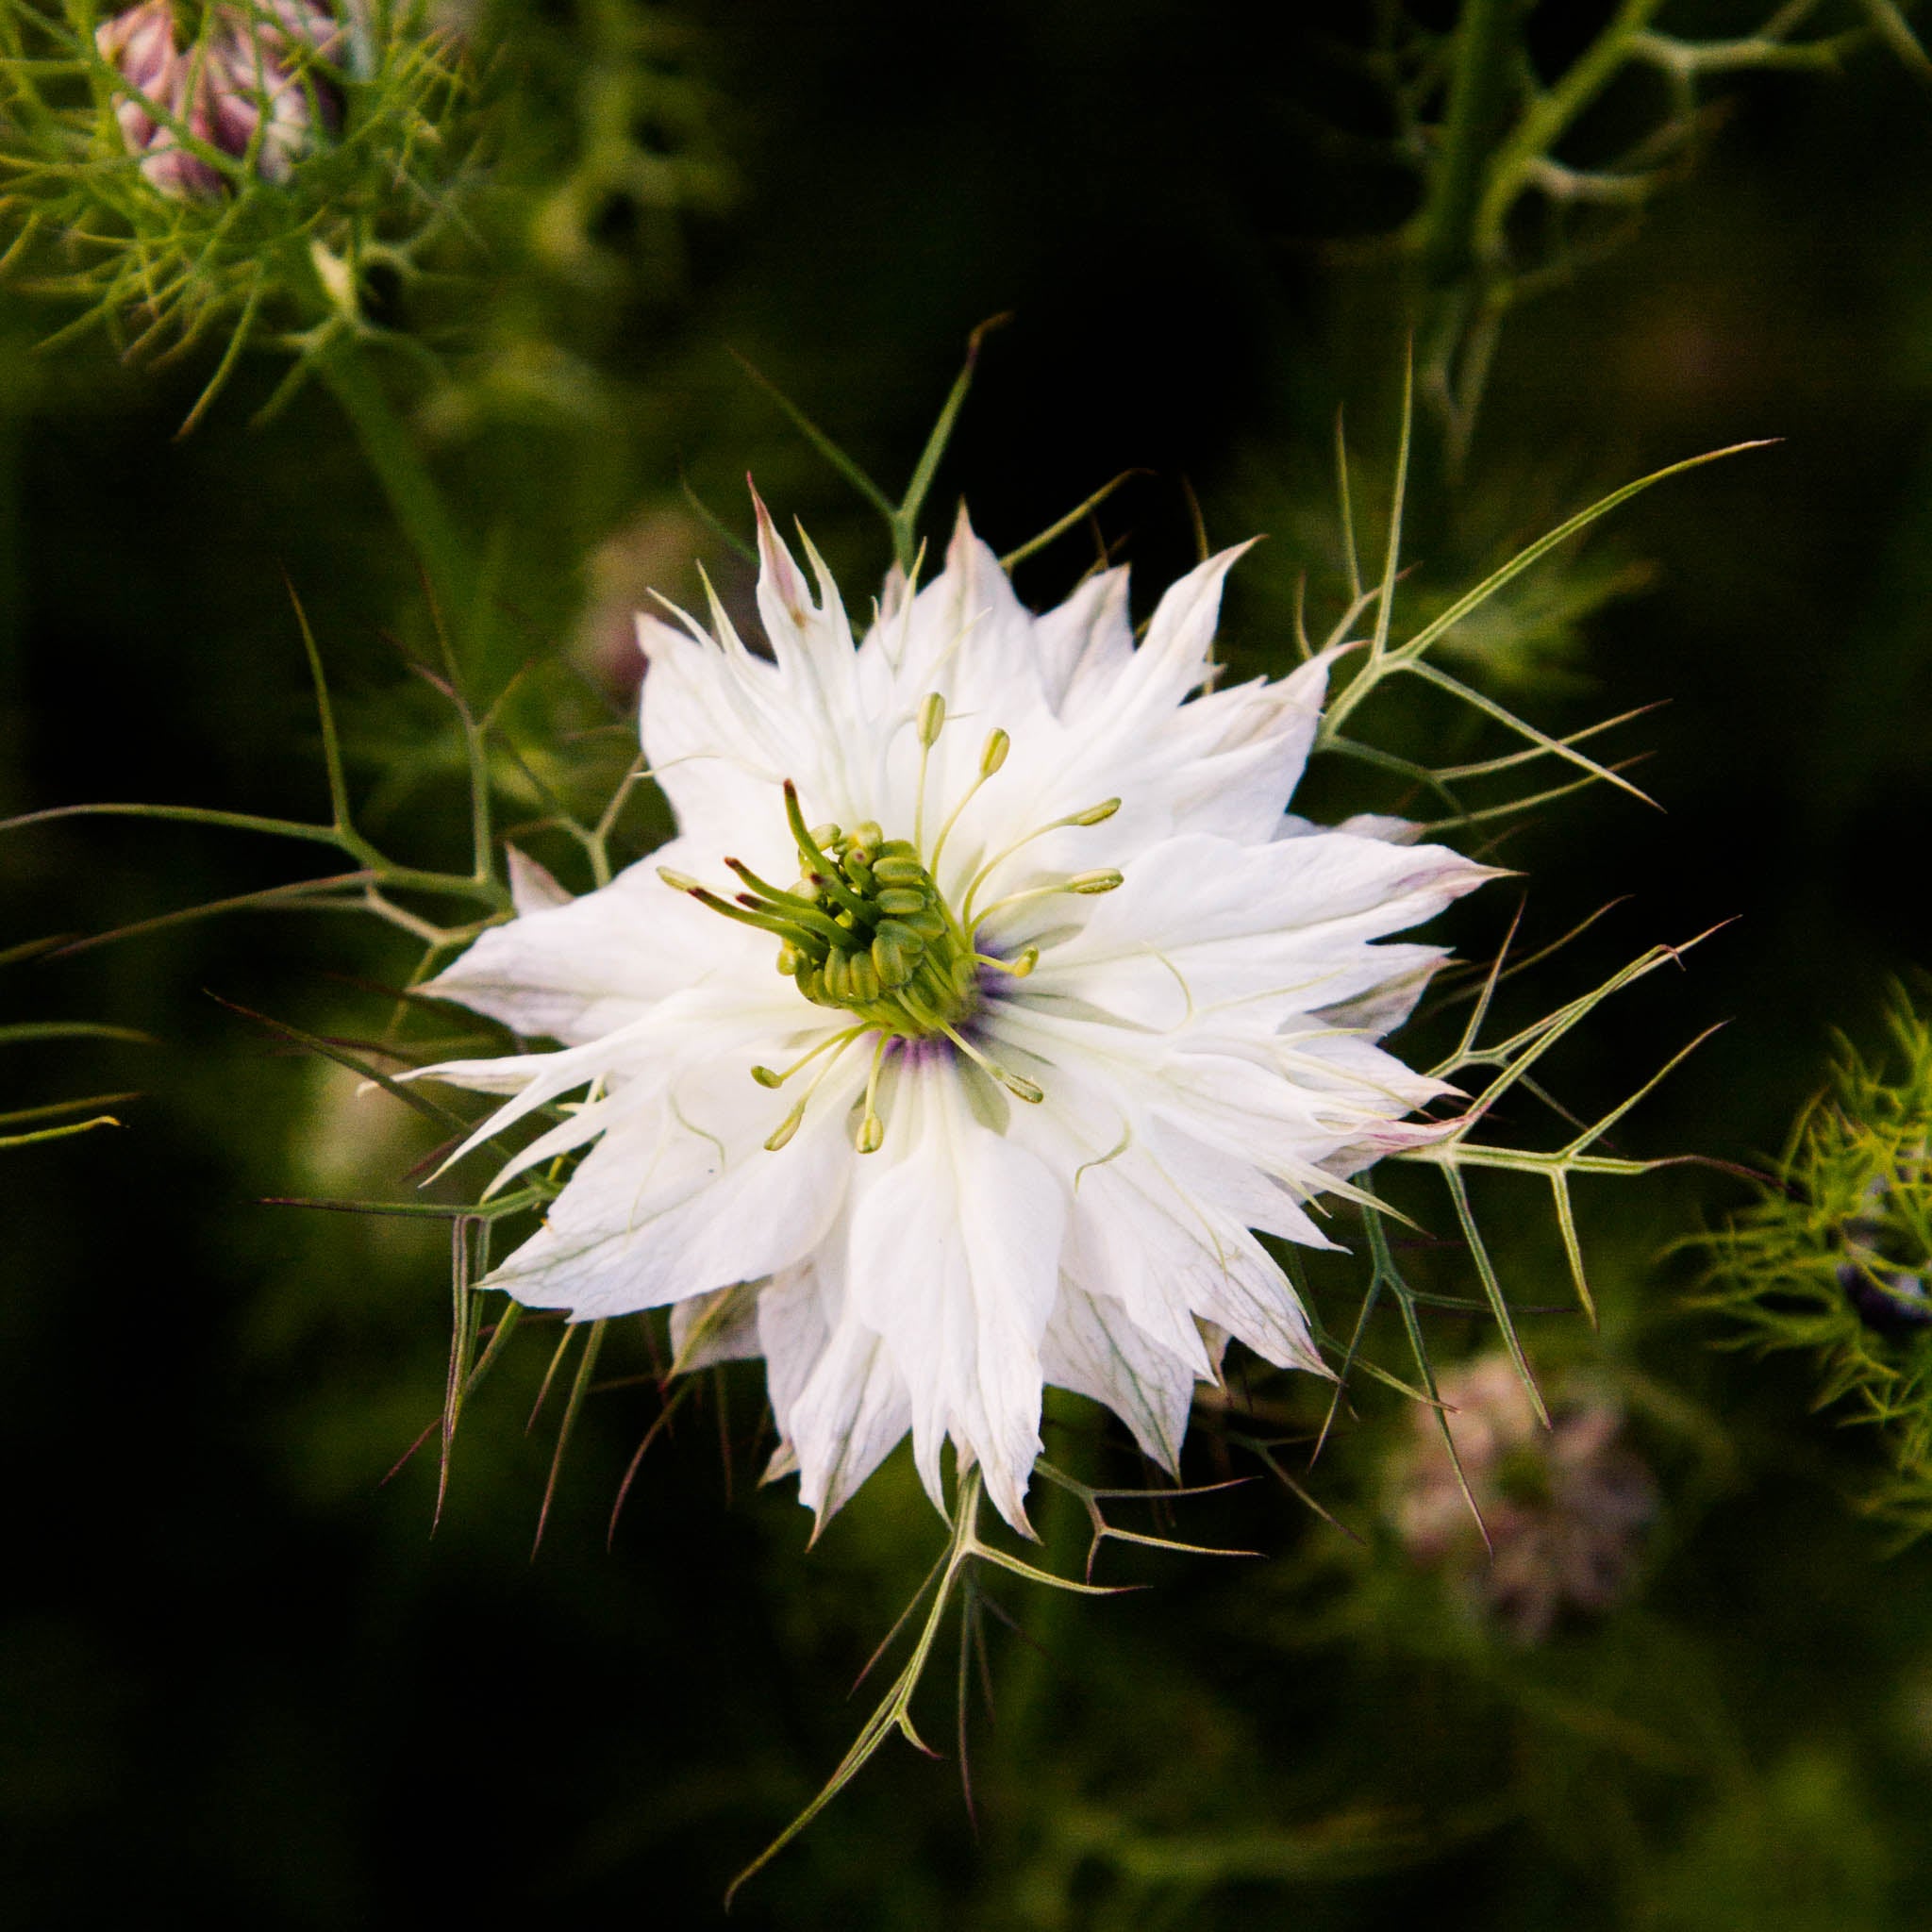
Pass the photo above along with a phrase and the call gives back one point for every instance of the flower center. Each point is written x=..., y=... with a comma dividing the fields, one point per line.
x=866, y=930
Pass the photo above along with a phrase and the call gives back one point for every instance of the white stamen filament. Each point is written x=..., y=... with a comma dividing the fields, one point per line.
x=1094, y=815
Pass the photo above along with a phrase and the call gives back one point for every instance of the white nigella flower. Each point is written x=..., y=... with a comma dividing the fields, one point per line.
x=985, y=1005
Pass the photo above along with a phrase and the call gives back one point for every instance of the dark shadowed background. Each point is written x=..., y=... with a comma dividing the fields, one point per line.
x=238, y=1679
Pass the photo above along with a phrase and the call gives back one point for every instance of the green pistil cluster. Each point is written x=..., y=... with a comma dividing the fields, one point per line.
x=865, y=929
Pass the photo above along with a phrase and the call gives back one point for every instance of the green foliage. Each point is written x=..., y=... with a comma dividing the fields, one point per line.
x=490, y=753
x=487, y=471
x=1833, y=1256
x=251, y=258
x=52, y=1119
x=1534, y=149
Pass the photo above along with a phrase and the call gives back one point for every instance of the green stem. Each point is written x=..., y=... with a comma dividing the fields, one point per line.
x=1025, y=1693
x=412, y=492
x=1478, y=93
x=1551, y=115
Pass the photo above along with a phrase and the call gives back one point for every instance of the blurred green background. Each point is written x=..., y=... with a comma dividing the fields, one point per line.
x=239, y=1680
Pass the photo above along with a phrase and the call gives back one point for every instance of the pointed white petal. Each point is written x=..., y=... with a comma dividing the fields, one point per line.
x=684, y=1198
x=848, y=1417
x=955, y=1260
x=1085, y=643
x=1092, y=1347
x=1200, y=922
x=712, y=1328
x=581, y=969
x=532, y=887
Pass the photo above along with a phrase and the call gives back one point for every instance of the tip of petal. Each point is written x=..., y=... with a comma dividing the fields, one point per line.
x=777, y=568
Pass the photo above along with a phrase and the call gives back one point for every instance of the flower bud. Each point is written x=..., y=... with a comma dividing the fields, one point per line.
x=1565, y=1507
x=250, y=88
x=140, y=44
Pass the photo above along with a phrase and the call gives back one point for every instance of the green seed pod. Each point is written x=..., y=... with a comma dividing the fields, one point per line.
x=863, y=977
x=890, y=869
x=909, y=939
x=929, y=924
x=898, y=901
x=893, y=964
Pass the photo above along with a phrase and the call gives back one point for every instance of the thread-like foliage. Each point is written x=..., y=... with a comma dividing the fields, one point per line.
x=1834, y=1258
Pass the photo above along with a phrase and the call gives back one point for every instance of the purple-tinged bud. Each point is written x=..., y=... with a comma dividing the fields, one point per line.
x=253, y=88
x=141, y=45
x=1565, y=1507
x=259, y=98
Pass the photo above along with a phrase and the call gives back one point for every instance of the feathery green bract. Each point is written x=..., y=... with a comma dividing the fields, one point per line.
x=248, y=257
x=1834, y=1258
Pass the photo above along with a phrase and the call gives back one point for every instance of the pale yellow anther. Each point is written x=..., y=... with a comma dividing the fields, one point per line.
x=677, y=881
x=932, y=719
x=1093, y=882
x=995, y=756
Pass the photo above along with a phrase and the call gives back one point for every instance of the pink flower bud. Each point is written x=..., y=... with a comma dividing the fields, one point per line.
x=1565, y=1507
x=141, y=45
x=251, y=87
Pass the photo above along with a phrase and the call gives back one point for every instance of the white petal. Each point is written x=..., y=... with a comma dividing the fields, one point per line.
x=1172, y=659
x=966, y=635
x=1085, y=642
x=533, y=888
x=684, y=1199
x=955, y=1260
x=1092, y=1347
x=712, y=1328
x=1160, y=1245
x=849, y=1416
x=580, y=970
x=1199, y=923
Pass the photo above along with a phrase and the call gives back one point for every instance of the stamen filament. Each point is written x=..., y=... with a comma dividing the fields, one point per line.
x=1022, y=1089
x=1019, y=968
x=932, y=721
x=871, y=1130
x=765, y=1077
x=939, y=845
x=791, y=1123
x=1094, y=815
x=1085, y=883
